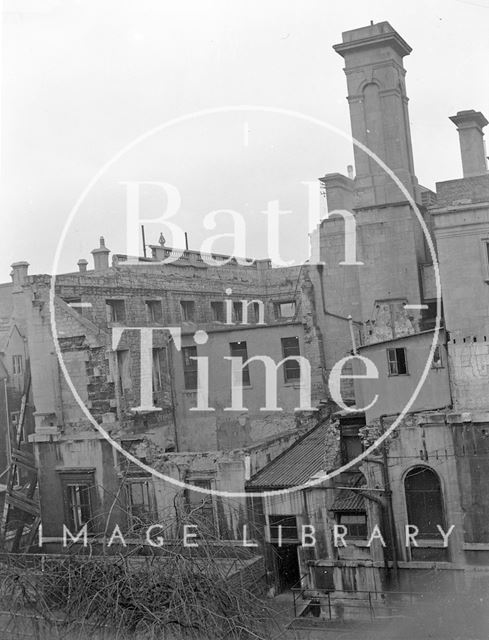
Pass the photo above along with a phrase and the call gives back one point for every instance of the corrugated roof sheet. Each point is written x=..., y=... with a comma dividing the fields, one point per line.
x=348, y=500
x=299, y=463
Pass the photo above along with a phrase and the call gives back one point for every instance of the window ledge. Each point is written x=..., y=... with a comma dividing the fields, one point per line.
x=426, y=543
x=475, y=546
x=357, y=542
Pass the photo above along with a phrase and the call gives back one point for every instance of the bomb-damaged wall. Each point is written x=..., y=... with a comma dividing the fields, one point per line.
x=136, y=285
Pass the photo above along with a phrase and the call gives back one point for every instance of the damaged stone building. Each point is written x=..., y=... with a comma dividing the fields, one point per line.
x=428, y=472
x=219, y=312
x=427, y=475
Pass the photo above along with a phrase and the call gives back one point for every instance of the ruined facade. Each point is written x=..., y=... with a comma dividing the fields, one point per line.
x=382, y=307
x=429, y=471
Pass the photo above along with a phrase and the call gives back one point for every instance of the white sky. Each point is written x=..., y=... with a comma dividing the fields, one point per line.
x=81, y=79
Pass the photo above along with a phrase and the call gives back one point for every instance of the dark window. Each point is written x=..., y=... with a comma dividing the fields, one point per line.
x=288, y=524
x=116, y=310
x=159, y=361
x=285, y=309
x=424, y=501
x=237, y=311
x=140, y=502
x=123, y=370
x=437, y=358
x=187, y=308
x=355, y=523
x=217, y=308
x=239, y=350
x=292, y=369
x=17, y=365
x=154, y=311
x=78, y=494
x=189, y=367
x=257, y=307
x=351, y=447
x=200, y=508
x=397, y=361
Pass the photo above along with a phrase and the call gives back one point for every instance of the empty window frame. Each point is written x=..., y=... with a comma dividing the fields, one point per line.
x=237, y=311
x=140, y=502
x=285, y=309
x=424, y=501
x=17, y=365
x=123, y=370
x=115, y=310
x=187, y=310
x=397, y=361
x=159, y=367
x=240, y=350
x=78, y=491
x=189, y=367
x=217, y=309
x=154, y=311
x=292, y=369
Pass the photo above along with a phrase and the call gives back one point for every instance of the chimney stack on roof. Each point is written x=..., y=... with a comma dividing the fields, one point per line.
x=101, y=256
x=19, y=273
x=82, y=265
x=469, y=125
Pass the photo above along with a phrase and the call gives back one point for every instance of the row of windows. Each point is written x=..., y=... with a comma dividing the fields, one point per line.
x=80, y=498
x=254, y=310
x=290, y=347
x=422, y=493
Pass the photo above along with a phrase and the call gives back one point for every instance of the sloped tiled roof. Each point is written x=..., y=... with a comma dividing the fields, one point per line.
x=299, y=463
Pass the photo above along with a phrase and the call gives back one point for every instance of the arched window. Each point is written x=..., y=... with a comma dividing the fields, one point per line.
x=424, y=501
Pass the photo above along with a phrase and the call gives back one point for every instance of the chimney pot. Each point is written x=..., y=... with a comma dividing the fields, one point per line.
x=469, y=125
x=82, y=265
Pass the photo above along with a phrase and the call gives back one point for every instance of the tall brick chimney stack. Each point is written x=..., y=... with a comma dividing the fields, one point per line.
x=379, y=116
x=101, y=256
x=469, y=125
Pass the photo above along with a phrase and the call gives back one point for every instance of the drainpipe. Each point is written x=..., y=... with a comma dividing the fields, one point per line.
x=390, y=511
